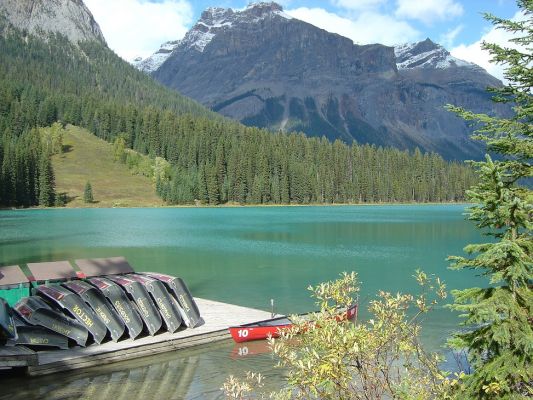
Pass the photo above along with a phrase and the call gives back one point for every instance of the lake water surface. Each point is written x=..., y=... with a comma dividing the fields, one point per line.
x=244, y=256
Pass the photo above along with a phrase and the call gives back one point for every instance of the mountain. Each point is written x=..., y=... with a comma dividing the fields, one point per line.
x=71, y=18
x=192, y=155
x=266, y=69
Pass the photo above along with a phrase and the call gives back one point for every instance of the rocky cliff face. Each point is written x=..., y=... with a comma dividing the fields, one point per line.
x=264, y=68
x=68, y=17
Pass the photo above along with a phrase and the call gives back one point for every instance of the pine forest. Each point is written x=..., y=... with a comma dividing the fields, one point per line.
x=209, y=159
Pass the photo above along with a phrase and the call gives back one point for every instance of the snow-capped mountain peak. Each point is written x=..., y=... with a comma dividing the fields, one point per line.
x=262, y=7
x=215, y=19
x=426, y=54
x=153, y=62
x=212, y=21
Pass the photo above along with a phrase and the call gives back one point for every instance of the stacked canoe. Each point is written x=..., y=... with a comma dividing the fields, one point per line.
x=104, y=300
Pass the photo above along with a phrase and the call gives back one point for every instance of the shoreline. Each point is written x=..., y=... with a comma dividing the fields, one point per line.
x=203, y=206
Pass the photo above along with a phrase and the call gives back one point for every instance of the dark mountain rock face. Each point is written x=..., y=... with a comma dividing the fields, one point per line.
x=68, y=17
x=264, y=68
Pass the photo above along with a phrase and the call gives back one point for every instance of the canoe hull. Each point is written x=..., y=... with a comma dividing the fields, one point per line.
x=188, y=308
x=242, y=334
x=76, y=307
x=168, y=306
x=37, y=337
x=35, y=311
x=98, y=303
x=273, y=327
x=122, y=305
x=141, y=298
x=8, y=329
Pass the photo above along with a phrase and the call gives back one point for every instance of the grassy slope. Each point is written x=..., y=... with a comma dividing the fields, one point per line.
x=88, y=158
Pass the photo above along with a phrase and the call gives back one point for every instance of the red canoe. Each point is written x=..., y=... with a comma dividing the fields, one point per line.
x=272, y=327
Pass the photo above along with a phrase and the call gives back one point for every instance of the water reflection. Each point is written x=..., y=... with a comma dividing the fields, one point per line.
x=250, y=349
x=187, y=374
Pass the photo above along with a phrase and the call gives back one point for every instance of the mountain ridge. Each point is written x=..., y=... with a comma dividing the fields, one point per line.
x=266, y=69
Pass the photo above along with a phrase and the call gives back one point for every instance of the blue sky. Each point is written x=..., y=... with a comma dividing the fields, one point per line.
x=457, y=24
x=469, y=19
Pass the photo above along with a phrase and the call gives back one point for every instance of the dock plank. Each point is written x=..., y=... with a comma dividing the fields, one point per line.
x=217, y=316
x=18, y=356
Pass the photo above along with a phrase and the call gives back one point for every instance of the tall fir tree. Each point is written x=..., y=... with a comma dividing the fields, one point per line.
x=46, y=181
x=499, y=336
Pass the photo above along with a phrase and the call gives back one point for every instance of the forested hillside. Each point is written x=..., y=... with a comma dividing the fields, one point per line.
x=211, y=159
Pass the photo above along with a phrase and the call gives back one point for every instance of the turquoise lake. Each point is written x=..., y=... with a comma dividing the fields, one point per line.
x=245, y=256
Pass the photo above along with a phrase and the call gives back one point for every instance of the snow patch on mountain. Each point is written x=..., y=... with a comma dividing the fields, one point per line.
x=274, y=8
x=216, y=19
x=426, y=54
x=152, y=63
x=198, y=39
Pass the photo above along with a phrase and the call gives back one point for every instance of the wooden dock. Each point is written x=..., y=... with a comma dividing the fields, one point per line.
x=217, y=316
x=19, y=356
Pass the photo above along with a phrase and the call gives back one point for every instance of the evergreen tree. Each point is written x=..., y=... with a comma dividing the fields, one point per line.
x=88, y=193
x=213, y=192
x=499, y=336
x=203, y=194
x=46, y=181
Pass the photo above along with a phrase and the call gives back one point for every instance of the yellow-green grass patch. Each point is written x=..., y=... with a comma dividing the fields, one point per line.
x=88, y=158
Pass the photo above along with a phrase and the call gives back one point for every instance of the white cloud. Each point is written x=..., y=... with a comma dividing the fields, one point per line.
x=358, y=4
x=447, y=39
x=136, y=28
x=473, y=52
x=428, y=11
x=367, y=27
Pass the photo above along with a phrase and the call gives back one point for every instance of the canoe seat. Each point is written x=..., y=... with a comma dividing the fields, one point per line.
x=51, y=272
x=14, y=284
x=12, y=275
